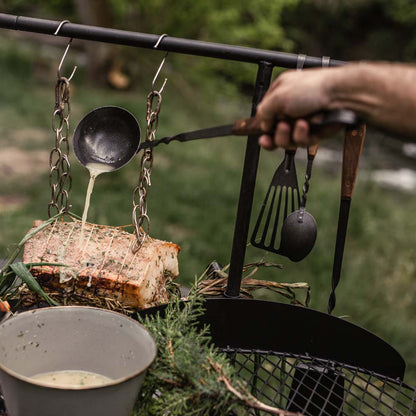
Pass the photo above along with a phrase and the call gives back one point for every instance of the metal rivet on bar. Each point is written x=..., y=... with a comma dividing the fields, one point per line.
x=325, y=61
x=300, y=62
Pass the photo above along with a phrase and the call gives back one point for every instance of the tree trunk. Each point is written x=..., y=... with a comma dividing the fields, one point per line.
x=100, y=56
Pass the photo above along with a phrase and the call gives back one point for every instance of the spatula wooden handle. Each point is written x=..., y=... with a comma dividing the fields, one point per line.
x=353, y=146
x=312, y=149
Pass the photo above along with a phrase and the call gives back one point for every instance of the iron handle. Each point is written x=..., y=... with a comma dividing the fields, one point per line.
x=252, y=126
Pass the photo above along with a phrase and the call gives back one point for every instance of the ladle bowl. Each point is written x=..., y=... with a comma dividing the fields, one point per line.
x=107, y=135
x=298, y=235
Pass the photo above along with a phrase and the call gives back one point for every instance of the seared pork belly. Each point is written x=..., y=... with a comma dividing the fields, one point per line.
x=102, y=263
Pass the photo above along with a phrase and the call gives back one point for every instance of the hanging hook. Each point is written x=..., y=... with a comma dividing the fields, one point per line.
x=65, y=53
x=60, y=26
x=160, y=66
x=300, y=62
x=157, y=74
x=160, y=40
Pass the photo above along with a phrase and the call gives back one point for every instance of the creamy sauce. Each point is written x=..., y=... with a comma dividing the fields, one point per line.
x=95, y=170
x=72, y=378
x=98, y=168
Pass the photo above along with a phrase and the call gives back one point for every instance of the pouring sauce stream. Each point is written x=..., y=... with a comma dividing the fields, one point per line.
x=95, y=170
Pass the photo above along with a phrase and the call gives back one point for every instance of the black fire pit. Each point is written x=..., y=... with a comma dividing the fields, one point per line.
x=306, y=361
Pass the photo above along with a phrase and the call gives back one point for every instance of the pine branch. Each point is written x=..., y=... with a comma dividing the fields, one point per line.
x=244, y=396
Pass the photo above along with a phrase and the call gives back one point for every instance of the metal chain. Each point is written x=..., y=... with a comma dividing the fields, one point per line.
x=140, y=217
x=60, y=180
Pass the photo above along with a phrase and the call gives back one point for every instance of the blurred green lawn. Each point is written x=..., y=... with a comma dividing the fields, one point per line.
x=194, y=195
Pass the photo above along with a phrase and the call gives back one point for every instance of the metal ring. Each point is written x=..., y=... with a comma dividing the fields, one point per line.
x=60, y=26
x=160, y=40
x=325, y=61
x=300, y=62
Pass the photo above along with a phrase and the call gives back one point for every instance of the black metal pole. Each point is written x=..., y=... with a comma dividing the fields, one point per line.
x=248, y=183
x=171, y=44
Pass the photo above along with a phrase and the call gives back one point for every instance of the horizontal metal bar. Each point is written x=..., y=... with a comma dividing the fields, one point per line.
x=171, y=44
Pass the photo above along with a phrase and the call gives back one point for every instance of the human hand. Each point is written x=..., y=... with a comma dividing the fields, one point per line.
x=294, y=95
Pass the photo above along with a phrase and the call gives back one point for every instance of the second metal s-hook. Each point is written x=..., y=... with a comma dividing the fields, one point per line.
x=65, y=53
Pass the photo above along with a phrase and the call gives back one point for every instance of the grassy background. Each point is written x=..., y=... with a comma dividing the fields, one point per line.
x=195, y=188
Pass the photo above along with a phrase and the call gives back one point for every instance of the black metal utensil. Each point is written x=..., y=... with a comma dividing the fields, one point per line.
x=282, y=198
x=107, y=135
x=299, y=229
x=298, y=241
x=353, y=145
x=251, y=126
x=110, y=135
x=298, y=235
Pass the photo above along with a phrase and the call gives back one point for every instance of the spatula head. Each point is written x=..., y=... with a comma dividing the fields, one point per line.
x=281, y=199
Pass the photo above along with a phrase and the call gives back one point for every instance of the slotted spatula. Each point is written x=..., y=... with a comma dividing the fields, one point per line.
x=282, y=198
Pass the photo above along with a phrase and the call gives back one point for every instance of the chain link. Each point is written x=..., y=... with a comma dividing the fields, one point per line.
x=60, y=180
x=141, y=220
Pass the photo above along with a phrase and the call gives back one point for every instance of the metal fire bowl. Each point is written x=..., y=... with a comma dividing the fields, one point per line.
x=306, y=361
x=73, y=338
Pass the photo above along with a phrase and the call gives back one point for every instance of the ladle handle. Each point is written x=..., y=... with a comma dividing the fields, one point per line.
x=252, y=126
x=353, y=146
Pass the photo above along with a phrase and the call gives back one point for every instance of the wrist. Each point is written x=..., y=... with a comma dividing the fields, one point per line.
x=338, y=87
x=353, y=87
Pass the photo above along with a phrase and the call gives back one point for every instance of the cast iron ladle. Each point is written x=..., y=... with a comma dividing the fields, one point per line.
x=299, y=229
x=111, y=135
x=107, y=135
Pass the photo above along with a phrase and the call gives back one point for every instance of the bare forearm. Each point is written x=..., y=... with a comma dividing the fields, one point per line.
x=383, y=93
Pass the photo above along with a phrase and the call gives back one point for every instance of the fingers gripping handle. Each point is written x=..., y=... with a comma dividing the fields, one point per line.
x=252, y=126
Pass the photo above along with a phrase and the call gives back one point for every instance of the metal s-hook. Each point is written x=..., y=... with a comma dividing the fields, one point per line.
x=160, y=40
x=65, y=53
x=60, y=26
x=160, y=66
x=157, y=74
